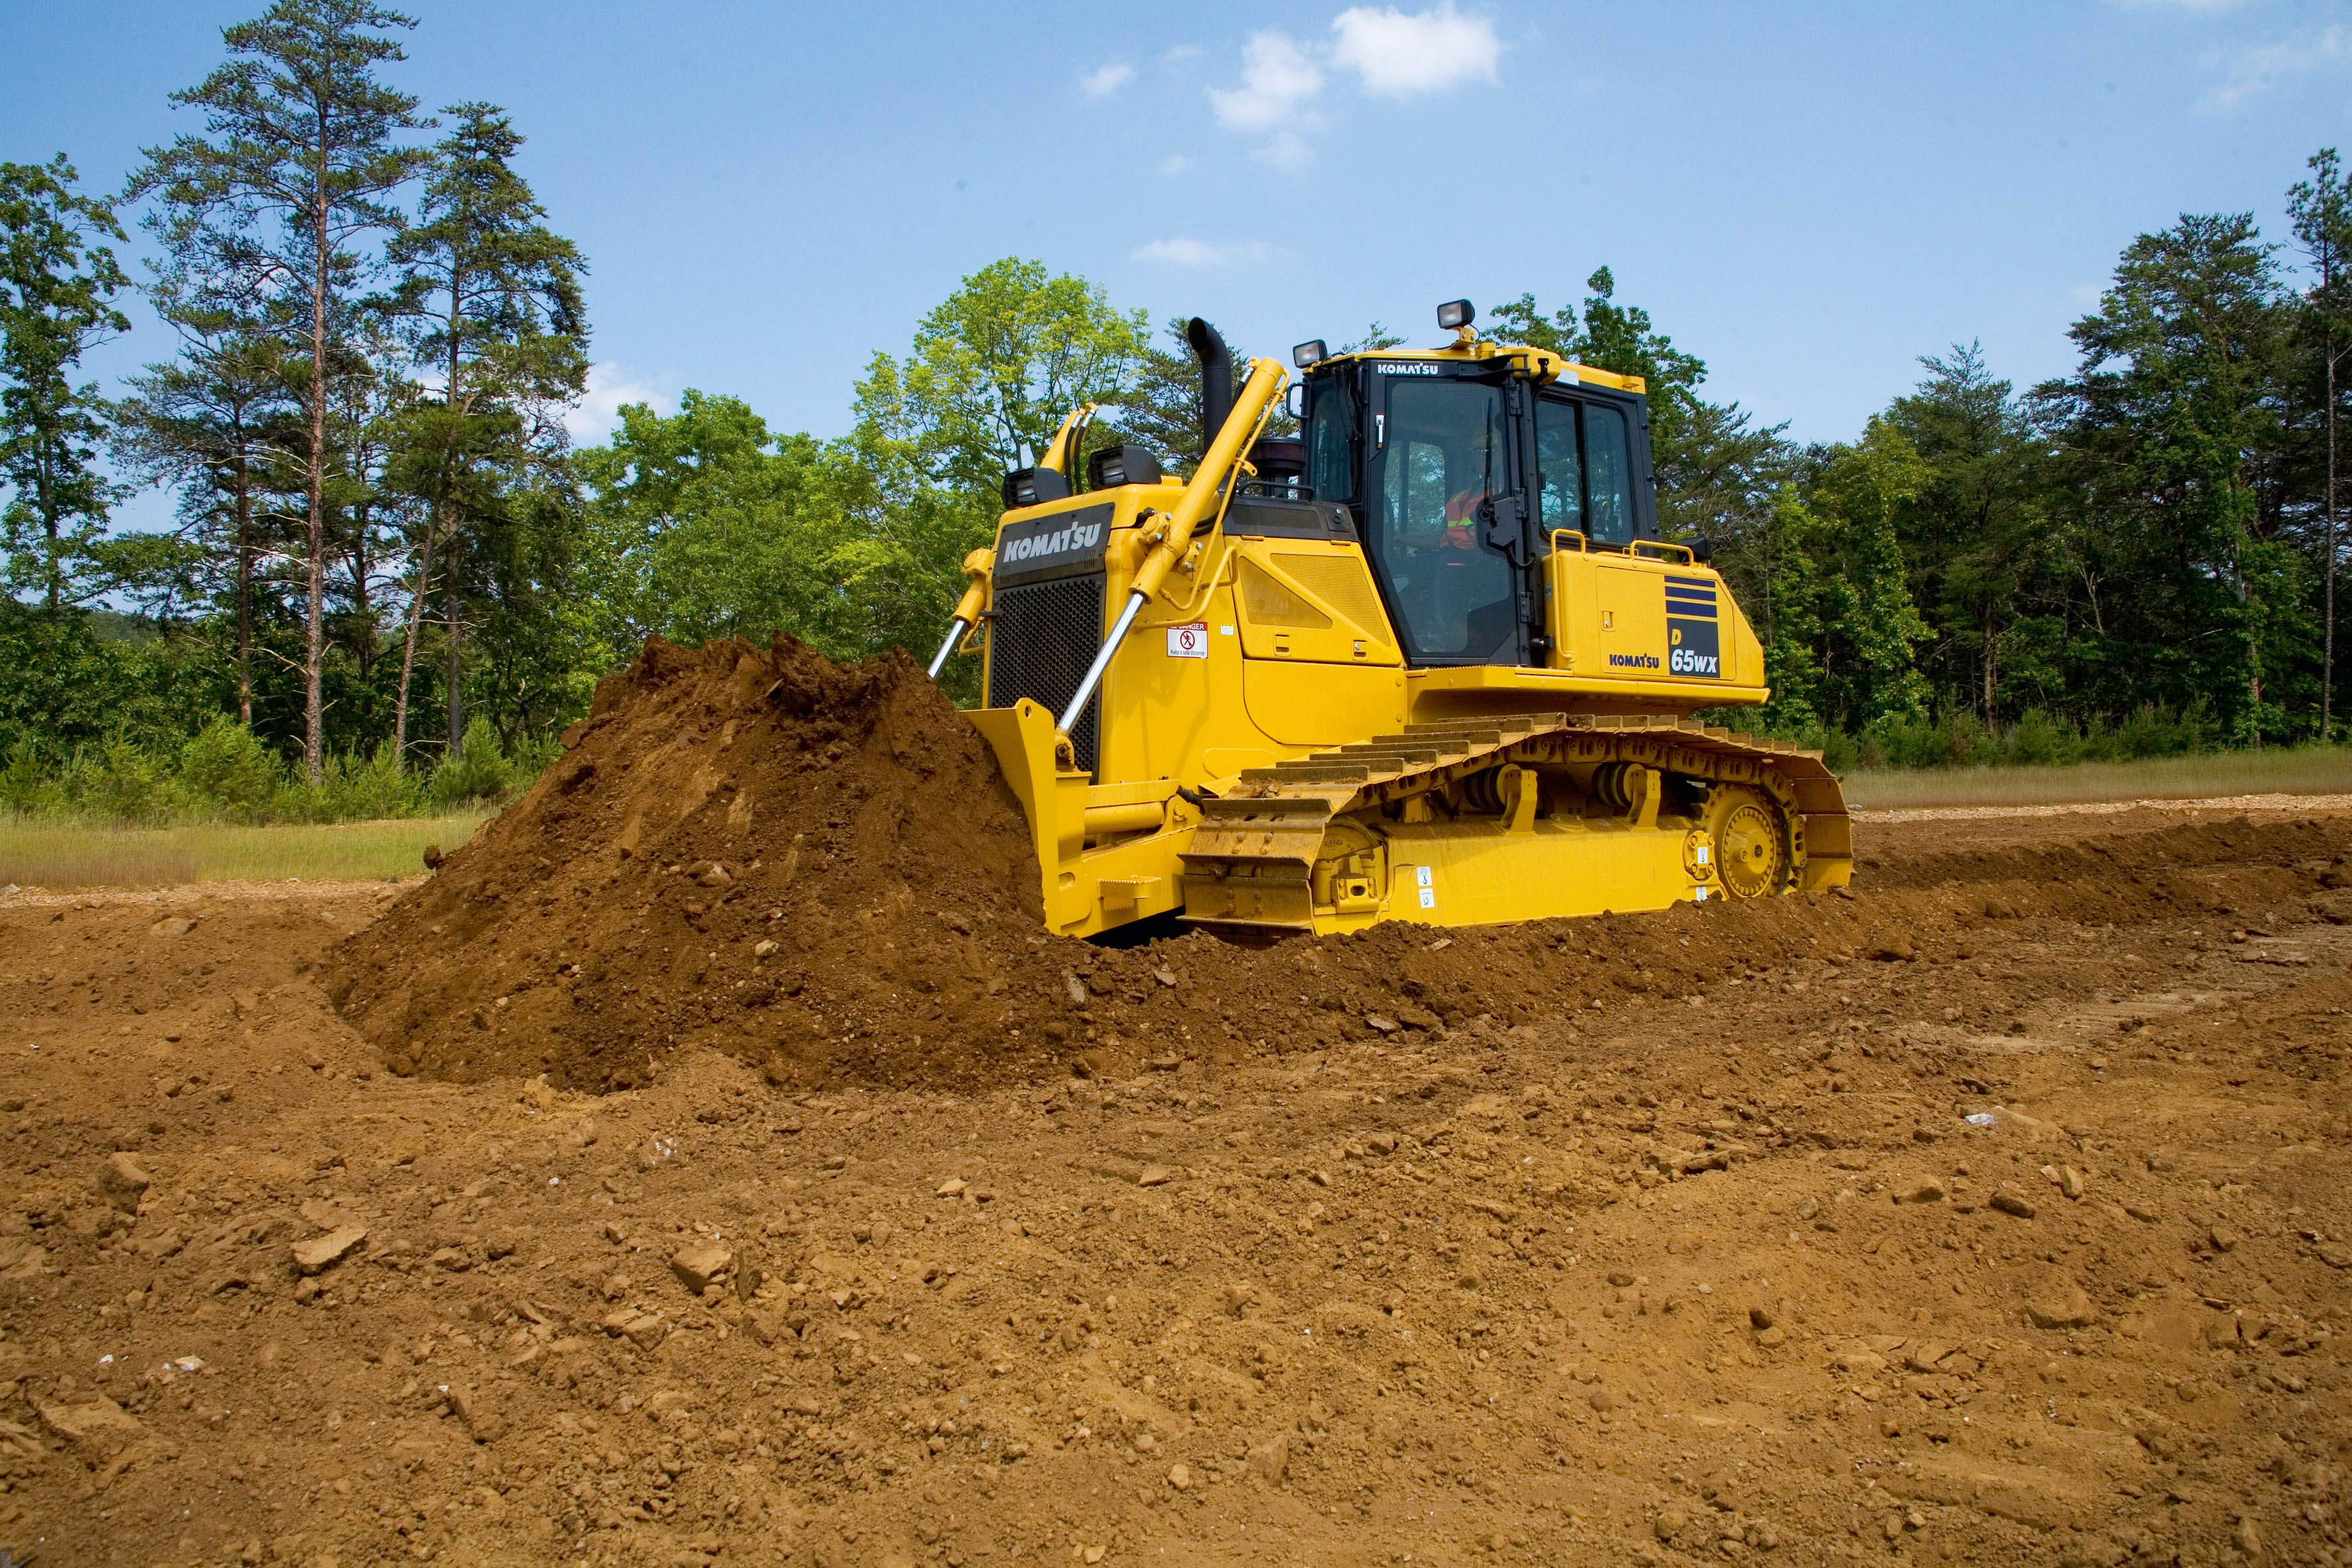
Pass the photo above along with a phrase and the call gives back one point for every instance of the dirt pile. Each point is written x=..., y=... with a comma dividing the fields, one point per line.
x=811, y=867
x=1998, y=1213
x=819, y=870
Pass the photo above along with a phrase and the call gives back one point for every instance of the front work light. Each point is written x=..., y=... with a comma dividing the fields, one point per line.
x=1310, y=353
x=1455, y=315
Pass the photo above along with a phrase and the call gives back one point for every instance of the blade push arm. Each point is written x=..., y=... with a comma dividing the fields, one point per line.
x=1170, y=534
x=976, y=568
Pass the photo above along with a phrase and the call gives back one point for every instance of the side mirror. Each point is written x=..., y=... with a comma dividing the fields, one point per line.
x=1295, y=400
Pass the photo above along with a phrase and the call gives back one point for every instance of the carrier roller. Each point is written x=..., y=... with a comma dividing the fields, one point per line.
x=1491, y=820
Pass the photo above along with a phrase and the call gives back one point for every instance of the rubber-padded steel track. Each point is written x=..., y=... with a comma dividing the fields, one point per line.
x=1248, y=873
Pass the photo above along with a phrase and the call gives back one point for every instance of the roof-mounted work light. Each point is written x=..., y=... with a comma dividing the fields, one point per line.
x=1455, y=315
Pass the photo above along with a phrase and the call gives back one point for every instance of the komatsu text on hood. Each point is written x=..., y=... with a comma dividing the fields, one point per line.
x=1054, y=546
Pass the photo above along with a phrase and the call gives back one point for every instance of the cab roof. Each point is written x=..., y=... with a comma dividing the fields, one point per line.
x=1541, y=363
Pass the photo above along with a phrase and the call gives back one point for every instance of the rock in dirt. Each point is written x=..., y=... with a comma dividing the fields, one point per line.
x=2010, y=1201
x=1930, y=1191
x=642, y=1329
x=324, y=1252
x=96, y=1430
x=122, y=1182
x=1270, y=1461
x=2057, y=1301
x=485, y=1426
x=700, y=1266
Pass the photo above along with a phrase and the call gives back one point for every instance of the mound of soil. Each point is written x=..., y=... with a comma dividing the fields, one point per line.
x=819, y=870
x=816, y=868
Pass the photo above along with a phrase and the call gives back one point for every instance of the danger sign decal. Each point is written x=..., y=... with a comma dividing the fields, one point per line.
x=1190, y=641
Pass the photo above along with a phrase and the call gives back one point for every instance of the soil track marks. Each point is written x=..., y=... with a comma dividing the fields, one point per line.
x=1664, y=1237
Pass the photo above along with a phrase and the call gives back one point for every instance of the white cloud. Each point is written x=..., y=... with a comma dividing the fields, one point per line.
x=598, y=412
x=1174, y=164
x=1180, y=54
x=1104, y=80
x=2256, y=71
x=1402, y=54
x=1279, y=78
x=1200, y=253
x=1288, y=152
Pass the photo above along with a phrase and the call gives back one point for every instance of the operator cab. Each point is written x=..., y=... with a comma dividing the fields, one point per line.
x=1458, y=469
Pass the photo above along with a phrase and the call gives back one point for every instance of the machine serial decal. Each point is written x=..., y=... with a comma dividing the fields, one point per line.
x=1693, y=647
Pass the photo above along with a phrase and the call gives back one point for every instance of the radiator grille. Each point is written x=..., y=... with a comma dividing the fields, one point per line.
x=1040, y=641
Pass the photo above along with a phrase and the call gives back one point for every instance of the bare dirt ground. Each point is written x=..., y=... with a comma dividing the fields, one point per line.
x=1995, y=1213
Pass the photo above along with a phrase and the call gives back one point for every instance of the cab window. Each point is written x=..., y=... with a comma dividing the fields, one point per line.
x=1331, y=441
x=1609, y=482
x=1583, y=469
x=1560, y=468
x=1438, y=453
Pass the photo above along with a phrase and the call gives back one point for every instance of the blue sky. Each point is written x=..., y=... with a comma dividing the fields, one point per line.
x=1806, y=196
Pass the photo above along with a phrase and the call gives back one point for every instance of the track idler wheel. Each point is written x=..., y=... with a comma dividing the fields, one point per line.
x=1751, y=842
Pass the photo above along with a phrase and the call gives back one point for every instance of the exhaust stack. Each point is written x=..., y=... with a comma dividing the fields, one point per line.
x=1216, y=378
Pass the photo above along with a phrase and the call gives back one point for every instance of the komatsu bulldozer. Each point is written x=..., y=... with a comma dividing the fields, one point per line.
x=1429, y=661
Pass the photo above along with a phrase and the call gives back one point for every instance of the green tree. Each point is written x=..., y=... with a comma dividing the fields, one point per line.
x=218, y=423
x=707, y=525
x=2168, y=424
x=993, y=369
x=293, y=175
x=2321, y=209
x=1975, y=534
x=495, y=295
x=1871, y=628
x=56, y=292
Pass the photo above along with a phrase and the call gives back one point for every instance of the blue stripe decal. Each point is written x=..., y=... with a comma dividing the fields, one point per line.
x=1690, y=607
x=1690, y=581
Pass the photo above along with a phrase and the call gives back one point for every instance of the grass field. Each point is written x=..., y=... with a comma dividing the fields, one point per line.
x=34, y=853
x=2302, y=770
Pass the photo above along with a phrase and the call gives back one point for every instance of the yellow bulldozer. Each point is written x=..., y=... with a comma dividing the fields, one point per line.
x=1429, y=660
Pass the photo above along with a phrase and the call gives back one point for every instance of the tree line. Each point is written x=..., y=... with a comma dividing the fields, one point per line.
x=375, y=336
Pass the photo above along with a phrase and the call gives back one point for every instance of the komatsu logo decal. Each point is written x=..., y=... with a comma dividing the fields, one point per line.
x=1632, y=661
x=1061, y=545
x=1079, y=536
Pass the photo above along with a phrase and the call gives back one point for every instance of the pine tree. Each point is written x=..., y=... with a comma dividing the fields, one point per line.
x=496, y=296
x=217, y=423
x=295, y=173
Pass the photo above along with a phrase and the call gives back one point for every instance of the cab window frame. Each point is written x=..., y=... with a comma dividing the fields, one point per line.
x=1369, y=499
x=1640, y=505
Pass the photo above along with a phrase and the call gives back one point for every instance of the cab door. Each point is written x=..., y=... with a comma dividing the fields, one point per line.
x=1605, y=608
